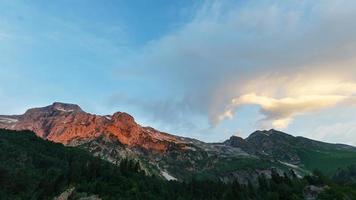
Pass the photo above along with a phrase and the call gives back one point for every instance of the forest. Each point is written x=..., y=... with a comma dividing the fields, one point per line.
x=32, y=168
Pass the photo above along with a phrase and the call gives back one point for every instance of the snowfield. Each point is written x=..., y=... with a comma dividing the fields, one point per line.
x=168, y=176
x=8, y=120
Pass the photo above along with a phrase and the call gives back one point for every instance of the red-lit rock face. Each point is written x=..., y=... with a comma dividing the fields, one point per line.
x=64, y=123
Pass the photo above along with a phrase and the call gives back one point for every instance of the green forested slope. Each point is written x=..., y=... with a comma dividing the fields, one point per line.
x=31, y=168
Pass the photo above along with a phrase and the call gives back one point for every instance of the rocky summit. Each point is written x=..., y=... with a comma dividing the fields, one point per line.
x=69, y=124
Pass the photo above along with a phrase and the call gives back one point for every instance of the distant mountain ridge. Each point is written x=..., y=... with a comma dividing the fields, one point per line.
x=295, y=151
x=118, y=136
x=272, y=141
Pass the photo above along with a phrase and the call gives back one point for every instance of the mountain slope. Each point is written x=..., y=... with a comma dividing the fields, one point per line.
x=118, y=136
x=297, y=152
x=32, y=168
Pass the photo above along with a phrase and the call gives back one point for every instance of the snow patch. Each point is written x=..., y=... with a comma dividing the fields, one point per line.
x=8, y=120
x=167, y=176
x=108, y=117
x=266, y=134
x=289, y=165
x=64, y=110
x=189, y=148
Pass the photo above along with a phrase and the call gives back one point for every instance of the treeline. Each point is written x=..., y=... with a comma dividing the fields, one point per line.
x=31, y=168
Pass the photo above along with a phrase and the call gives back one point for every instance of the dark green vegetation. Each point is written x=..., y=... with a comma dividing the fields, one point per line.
x=31, y=168
x=327, y=160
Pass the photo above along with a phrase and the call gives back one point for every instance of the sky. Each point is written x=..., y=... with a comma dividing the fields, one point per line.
x=201, y=69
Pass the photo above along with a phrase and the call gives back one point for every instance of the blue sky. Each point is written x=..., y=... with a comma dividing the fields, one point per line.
x=202, y=69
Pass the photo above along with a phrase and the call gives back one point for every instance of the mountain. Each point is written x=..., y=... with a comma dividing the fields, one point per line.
x=118, y=136
x=68, y=123
x=33, y=168
x=297, y=152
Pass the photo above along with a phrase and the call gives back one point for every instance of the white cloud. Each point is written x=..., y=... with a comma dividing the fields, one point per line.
x=280, y=112
x=283, y=99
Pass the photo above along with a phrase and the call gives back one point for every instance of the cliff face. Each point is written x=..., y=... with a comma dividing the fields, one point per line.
x=65, y=123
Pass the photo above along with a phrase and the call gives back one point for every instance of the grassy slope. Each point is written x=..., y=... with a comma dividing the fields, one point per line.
x=327, y=161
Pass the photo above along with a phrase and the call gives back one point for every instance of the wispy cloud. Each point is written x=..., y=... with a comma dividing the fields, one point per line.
x=164, y=112
x=4, y=35
x=340, y=132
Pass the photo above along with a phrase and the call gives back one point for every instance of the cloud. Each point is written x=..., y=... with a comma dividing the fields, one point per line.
x=282, y=99
x=290, y=58
x=337, y=132
x=163, y=112
x=4, y=35
x=280, y=112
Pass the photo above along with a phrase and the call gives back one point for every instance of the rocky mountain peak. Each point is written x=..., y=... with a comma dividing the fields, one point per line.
x=65, y=107
x=123, y=117
x=54, y=109
x=258, y=135
x=265, y=134
x=68, y=124
x=235, y=141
